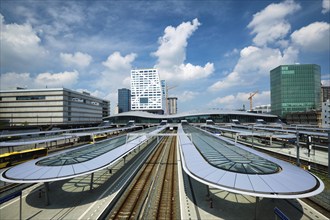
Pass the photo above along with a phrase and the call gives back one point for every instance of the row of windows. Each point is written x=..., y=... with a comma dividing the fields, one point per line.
x=34, y=97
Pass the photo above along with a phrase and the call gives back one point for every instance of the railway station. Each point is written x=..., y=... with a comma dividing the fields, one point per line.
x=179, y=170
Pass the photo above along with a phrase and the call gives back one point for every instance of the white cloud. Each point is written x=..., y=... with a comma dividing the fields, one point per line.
x=325, y=82
x=314, y=37
x=116, y=62
x=254, y=65
x=325, y=6
x=270, y=25
x=12, y=80
x=172, y=53
x=116, y=75
x=20, y=45
x=63, y=79
x=237, y=101
x=231, y=53
x=77, y=59
x=187, y=96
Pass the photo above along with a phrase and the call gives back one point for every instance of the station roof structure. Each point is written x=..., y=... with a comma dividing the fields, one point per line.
x=60, y=135
x=193, y=115
x=233, y=167
x=77, y=162
x=282, y=134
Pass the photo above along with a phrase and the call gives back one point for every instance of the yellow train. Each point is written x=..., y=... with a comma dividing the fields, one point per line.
x=17, y=157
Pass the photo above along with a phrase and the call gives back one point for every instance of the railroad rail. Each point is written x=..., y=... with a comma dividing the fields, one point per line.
x=154, y=188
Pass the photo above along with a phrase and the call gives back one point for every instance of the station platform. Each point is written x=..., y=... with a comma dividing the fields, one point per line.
x=198, y=201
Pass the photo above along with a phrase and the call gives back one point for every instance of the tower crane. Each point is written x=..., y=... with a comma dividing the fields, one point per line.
x=166, y=97
x=250, y=98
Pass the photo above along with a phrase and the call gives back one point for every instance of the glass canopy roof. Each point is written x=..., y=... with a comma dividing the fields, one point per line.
x=88, y=152
x=227, y=156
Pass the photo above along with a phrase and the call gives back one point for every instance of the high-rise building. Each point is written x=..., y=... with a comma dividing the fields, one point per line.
x=172, y=105
x=295, y=88
x=146, y=91
x=51, y=107
x=124, y=100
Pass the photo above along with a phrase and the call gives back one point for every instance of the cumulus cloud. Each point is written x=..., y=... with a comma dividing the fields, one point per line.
x=77, y=59
x=270, y=25
x=26, y=80
x=325, y=6
x=12, y=80
x=314, y=37
x=116, y=75
x=237, y=101
x=62, y=79
x=20, y=45
x=253, y=65
x=117, y=62
x=171, y=54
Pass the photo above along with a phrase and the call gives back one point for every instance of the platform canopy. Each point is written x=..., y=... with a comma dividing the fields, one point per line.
x=77, y=162
x=224, y=164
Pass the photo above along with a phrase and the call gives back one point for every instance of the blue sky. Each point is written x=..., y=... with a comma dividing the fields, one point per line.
x=215, y=52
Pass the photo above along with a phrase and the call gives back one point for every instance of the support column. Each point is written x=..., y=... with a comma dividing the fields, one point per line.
x=298, y=156
x=256, y=208
x=91, y=185
x=207, y=190
x=46, y=184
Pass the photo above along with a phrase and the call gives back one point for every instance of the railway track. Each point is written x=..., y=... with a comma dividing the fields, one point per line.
x=153, y=191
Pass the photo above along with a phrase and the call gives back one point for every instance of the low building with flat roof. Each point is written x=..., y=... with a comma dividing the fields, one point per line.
x=51, y=107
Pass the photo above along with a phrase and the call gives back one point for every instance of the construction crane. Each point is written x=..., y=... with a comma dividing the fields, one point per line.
x=250, y=98
x=166, y=97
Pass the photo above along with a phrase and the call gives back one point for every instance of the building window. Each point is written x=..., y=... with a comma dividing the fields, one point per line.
x=143, y=100
x=41, y=97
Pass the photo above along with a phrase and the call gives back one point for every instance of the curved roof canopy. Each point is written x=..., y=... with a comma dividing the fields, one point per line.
x=233, y=167
x=77, y=162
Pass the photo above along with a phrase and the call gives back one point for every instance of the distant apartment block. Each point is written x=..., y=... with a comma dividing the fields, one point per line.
x=172, y=105
x=295, y=88
x=124, y=100
x=146, y=91
x=51, y=107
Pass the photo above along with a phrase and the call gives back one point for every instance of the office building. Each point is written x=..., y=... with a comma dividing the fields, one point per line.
x=172, y=105
x=295, y=88
x=146, y=91
x=51, y=107
x=124, y=100
x=325, y=93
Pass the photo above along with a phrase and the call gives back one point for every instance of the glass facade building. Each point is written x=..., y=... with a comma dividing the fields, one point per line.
x=124, y=100
x=295, y=88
